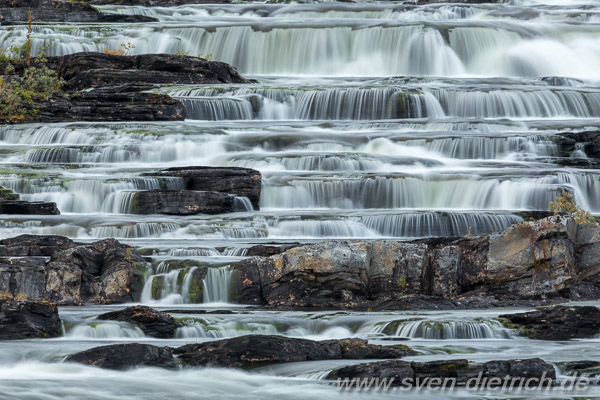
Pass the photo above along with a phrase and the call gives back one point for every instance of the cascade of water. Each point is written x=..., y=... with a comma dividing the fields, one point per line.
x=217, y=285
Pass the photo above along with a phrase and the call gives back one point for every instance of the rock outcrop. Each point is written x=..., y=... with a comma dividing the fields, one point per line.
x=550, y=258
x=557, y=323
x=120, y=86
x=181, y=202
x=24, y=319
x=59, y=270
x=91, y=70
x=152, y=322
x=242, y=182
x=16, y=11
x=239, y=352
x=403, y=373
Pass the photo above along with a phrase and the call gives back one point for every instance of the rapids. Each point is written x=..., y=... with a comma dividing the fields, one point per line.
x=372, y=119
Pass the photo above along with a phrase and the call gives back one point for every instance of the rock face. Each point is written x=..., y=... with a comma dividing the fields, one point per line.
x=57, y=269
x=459, y=370
x=181, y=202
x=152, y=322
x=124, y=356
x=240, y=352
x=23, y=319
x=558, y=323
x=12, y=11
x=27, y=208
x=551, y=258
x=242, y=182
x=88, y=70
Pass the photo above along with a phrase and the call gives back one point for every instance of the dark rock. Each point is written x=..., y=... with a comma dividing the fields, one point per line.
x=257, y=350
x=125, y=356
x=268, y=251
x=242, y=182
x=109, y=105
x=88, y=70
x=152, y=322
x=586, y=368
x=459, y=371
x=20, y=319
x=181, y=202
x=14, y=11
x=28, y=208
x=590, y=141
x=57, y=269
x=558, y=323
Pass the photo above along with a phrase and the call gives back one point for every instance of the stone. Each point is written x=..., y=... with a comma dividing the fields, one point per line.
x=403, y=373
x=126, y=356
x=28, y=208
x=25, y=319
x=258, y=350
x=558, y=323
x=181, y=202
x=152, y=322
x=242, y=182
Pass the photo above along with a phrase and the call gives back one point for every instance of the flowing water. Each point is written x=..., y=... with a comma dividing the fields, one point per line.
x=368, y=120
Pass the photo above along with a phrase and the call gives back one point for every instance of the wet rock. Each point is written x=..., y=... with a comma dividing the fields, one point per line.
x=182, y=202
x=125, y=356
x=461, y=371
x=589, y=141
x=152, y=322
x=25, y=319
x=90, y=69
x=157, y=3
x=258, y=350
x=13, y=11
x=242, y=182
x=57, y=269
x=28, y=208
x=558, y=323
x=587, y=368
x=267, y=250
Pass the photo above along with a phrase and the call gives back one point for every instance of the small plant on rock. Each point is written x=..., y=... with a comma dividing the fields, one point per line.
x=566, y=205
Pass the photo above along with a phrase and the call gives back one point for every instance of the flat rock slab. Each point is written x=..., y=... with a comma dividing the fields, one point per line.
x=242, y=182
x=558, y=323
x=28, y=208
x=181, y=202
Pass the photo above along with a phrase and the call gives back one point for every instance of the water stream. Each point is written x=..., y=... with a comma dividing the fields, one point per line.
x=380, y=119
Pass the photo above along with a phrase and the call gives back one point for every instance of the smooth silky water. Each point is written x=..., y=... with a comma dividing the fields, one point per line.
x=368, y=120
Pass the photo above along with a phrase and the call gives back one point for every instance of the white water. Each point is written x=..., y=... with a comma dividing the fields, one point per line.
x=368, y=120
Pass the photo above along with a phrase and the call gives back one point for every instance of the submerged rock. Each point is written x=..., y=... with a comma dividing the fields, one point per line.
x=57, y=269
x=258, y=350
x=125, y=356
x=403, y=373
x=558, y=323
x=182, y=202
x=547, y=260
x=152, y=322
x=25, y=319
x=242, y=182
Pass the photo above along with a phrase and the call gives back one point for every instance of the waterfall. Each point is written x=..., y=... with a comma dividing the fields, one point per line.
x=217, y=285
x=485, y=329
